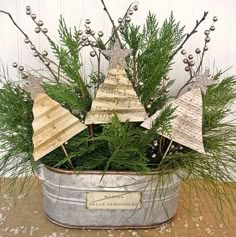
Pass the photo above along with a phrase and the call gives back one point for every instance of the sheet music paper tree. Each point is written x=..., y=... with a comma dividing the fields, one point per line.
x=186, y=126
x=116, y=94
x=53, y=125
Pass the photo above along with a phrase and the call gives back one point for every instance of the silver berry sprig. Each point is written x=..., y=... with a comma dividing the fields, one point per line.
x=207, y=40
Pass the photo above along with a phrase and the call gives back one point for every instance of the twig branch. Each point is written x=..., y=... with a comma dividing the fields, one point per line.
x=30, y=42
x=112, y=21
x=187, y=83
x=194, y=30
x=117, y=28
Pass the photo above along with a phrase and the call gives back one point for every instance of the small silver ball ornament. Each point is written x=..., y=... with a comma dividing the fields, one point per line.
x=45, y=30
x=185, y=61
x=32, y=47
x=187, y=69
x=80, y=32
x=120, y=20
x=197, y=51
x=130, y=12
x=183, y=52
x=135, y=7
x=127, y=19
x=24, y=76
x=205, y=48
x=190, y=56
x=207, y=39
x=92, y=54
x=21, y=68
x=27, y=8
x=15, y=64
x=84, y=37
x=207, y=32
x=88, y=21
x=40, y=23
x=191, y=63
x=45, y=53
x=100, y=34
x=215, y=18
x=154, y=156
x=166, y=77
x=36, y=54
x=33, y=16
x=37, y=30
x=46, y=63
x=212, y=28
x=26, y=40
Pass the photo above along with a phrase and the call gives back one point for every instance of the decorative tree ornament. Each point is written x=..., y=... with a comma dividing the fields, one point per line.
x=53, y=125
x=203, y=81
x=186, y=125
x=117, y=55
x=116, y=95
x=33, y=86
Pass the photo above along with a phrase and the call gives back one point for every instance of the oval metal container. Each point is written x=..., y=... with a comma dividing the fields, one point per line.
x=69, y=198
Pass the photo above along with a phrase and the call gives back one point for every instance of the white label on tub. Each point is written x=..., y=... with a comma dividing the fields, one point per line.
x=113, y=200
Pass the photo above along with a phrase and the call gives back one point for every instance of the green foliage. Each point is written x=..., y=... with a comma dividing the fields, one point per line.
x=66, y=95
x=152, y=49
x=69, y=60
x=15, y=132
x=153, y=60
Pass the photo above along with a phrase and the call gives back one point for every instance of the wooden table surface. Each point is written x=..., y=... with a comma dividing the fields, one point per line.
x=23, y=216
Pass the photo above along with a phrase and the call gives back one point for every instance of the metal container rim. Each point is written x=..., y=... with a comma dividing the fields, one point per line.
x=100, y=172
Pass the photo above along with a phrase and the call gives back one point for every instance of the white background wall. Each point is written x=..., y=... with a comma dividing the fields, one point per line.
x=221, y=55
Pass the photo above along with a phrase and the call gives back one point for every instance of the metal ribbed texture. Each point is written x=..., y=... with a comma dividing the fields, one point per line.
x=65, y=198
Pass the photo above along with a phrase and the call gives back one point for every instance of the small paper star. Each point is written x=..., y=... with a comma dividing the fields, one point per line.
x=203, y=81
x=117, y=55
x=33, y=86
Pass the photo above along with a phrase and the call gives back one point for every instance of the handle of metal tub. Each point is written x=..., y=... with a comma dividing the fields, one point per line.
x=39, y=172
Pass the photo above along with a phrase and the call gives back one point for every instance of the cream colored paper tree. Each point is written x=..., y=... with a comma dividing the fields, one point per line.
x=186, y=126
x=53, y=125
x=116, y=94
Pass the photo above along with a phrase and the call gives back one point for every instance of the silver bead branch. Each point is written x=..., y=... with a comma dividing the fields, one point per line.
x=199, y=52
x=20, y=70
x=27, y=39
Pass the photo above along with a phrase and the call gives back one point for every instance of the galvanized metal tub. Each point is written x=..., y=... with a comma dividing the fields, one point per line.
x=115, y=200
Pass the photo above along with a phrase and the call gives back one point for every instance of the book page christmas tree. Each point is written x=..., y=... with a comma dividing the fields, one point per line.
x=53, y=125
x=116, y=94
x=186, y=126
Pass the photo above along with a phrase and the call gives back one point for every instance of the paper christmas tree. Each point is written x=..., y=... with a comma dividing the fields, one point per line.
x=186, y=126
x=53, y=125
x=116, y=94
